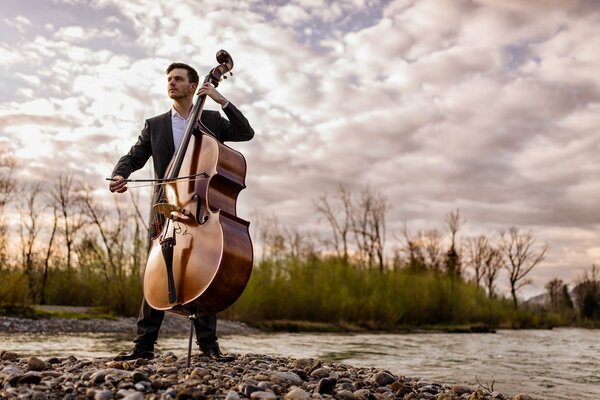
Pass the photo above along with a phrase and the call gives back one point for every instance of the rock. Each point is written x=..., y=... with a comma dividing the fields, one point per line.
x=248, y=389
x=263, y=395
x=200, y=372
x=303, y=363
x=9, y=356
x=460, y=390
x=98, y=376
x=301, y=373
x=35, y=364
x=383, y=378
x=38, y=396
x=134, y=396
x=320, y=373
x=232, y=395
x=297, y=394
x=365, y=394
x=345, y=395
x=523, y=396
x=286, y=378
x=103, y=395
x=32, y=377
x=326, y=385
x=433, y=389
x=167, y=371
x=139, y=376
x=190, y=394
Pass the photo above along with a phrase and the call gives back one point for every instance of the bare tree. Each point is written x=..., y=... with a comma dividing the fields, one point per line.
x=337, y=213
x=453, y=262
x=413, y=251
x=493, y=262
x=113, y=242
x=49, y=252
x=476, y=249
x=521, y=257
x=431, y=241
x=29, y=229
x=368, y=225
x=68, y=203
x=7, y=189
x=141, y=240
x=299, y=246
x=270, y=236
x=587, y=294
x=556, y=290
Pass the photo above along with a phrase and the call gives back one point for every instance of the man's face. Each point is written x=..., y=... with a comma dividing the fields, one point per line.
x=178, y=84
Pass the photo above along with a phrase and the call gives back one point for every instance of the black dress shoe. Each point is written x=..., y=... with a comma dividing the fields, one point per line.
x=134, y=354
x=216, y=355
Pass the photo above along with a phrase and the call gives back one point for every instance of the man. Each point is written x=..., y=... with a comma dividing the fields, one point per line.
x=159, y=138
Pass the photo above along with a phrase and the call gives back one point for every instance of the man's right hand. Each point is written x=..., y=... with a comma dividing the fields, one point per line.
x=118, y=184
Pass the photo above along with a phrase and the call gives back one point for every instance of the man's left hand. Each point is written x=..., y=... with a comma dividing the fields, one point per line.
x=209, y=90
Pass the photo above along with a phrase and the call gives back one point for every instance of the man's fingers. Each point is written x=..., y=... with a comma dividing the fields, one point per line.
x=118, y=184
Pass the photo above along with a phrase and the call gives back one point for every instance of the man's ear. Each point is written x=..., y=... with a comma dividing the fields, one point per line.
x=194, y=87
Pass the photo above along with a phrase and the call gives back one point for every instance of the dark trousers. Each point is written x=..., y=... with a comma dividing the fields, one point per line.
x=149, y=321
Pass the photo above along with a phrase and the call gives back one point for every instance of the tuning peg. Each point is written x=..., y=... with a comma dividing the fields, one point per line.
x=230, y=73
x=224, y=76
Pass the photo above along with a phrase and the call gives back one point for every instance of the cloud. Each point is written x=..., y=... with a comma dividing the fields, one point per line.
x=487, y=106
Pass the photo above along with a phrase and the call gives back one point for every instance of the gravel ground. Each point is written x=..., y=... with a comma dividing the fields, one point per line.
x=250, y=376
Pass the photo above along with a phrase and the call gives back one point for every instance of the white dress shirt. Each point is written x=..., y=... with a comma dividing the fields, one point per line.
x=178, y=123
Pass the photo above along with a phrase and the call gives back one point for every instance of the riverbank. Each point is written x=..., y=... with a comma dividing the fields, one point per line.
x=81, y=321
x=251, y=376
x=165, y=377
x=64, y=319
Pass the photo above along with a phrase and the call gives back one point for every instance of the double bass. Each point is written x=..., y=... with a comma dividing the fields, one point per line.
x=201, y=259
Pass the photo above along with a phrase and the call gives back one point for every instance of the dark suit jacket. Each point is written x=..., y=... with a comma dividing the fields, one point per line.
x=156, y=139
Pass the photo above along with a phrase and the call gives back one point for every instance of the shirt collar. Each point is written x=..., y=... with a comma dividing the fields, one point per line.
x=176, y=114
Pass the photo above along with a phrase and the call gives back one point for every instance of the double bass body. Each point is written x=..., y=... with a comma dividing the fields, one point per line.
x=212, y=254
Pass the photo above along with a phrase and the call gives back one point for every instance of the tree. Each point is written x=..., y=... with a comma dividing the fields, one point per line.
x=558, y=295
x=68, y=202
x=363, y=216
x=338, y=216
x=587, y=294
x=521, y=255
x=367, y=220
x=477, y=249
x=452, y=262
x=492, y=264
x=413, y=251
x=7, y=188
x=431, y=241
x=49, y=252
x=29, y=229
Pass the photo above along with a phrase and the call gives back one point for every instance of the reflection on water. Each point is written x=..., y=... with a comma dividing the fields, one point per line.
x=551, y=364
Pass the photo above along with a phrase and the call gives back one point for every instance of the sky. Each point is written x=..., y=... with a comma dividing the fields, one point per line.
x=491, y=107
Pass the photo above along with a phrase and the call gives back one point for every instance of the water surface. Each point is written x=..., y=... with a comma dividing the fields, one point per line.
x=559, y=364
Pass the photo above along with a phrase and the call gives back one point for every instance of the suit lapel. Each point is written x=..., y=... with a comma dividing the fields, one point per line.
x=167, y=134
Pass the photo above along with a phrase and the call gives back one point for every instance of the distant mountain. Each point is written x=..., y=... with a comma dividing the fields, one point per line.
x=541, y=300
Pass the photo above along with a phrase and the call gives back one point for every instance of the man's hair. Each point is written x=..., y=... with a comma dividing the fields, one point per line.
x=192, y=74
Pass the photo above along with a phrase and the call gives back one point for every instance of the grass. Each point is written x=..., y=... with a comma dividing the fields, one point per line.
x=316, y=294
x=32, y=312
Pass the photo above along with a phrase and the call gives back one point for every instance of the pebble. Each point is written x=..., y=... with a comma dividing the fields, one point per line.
x=250, y=376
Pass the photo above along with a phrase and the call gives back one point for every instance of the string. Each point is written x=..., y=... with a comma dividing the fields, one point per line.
x=163, y=183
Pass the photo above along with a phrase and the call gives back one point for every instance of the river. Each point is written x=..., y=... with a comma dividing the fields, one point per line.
x=562, y=364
